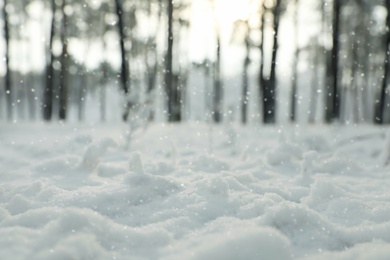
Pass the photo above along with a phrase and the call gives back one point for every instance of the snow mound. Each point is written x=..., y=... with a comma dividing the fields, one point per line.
x=316, y=193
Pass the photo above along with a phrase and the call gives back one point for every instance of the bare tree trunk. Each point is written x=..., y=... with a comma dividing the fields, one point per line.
x=152, y=70
x=7, y=77
x=332, y=109
x=335, y=58
x=82, y=93
x=168, y=62
x=245, y=85
x=124, y=60
x=295, y=66
x=31, y=96
x=64, y=75
x=269, y=89
x=328, y=68
x=49, y=89
x=104, y=76
x=217, y=93
x=380, y=109
x=262, y=55
x=125, y=70
x=172, y=86
x=354, y=82
x=314, y=86
x=103, y=86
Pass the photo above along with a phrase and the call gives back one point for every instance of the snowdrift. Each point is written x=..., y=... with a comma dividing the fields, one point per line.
x=193, y=191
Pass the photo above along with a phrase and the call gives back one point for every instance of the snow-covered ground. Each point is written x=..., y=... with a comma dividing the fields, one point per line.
x=194, y=192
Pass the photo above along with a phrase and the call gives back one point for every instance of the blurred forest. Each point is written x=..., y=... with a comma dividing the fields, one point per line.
x=340, y=74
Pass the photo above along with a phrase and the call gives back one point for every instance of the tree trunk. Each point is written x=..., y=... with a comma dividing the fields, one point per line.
x=125, y=70
x=7, y=77
x=335, y=58
x=332, y=102
x=217, y=92
x=103, y=86
x=172, y=87
x=262, y=55
x=64, y=75
x=82, y=94
x=49, y=89
x=269, y=89
x=124, y=61
x=295, y=67
x=328, y=68
x=380, y=110
x=245, y=85
x=104, y=77
x=314, y=86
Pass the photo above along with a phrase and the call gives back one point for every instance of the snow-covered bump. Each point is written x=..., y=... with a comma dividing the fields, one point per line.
x=285, y=154
x=110, y=170
x=209, y=164
x=322, y=192
x=3, y=214
x=245, y=243
x=83, y=139
x=95, y=151
x=59, y=165
x=135, y=163
x=19, y=204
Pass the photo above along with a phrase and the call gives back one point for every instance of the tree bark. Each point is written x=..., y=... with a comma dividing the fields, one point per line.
x=64, y=75
x=380, y=110
x=124, y=60
x=314, y=93
x=172, y=87
x=125, y=70
x=295, y=67
x=245, y=83
x=217, y=91
x=335, y=58
x=49, y=89
x=262, y=55
x=332, y=109
x=7, y=77
x=82, y=95
x=269, y=88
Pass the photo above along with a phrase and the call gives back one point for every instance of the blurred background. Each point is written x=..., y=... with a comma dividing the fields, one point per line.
x=247, y=61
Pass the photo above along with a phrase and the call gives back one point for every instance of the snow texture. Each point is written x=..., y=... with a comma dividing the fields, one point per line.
x=76, y=192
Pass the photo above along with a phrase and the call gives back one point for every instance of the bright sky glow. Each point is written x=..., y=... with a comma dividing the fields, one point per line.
x=206, y=17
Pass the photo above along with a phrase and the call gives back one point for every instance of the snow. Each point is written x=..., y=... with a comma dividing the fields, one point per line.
x=71, y=191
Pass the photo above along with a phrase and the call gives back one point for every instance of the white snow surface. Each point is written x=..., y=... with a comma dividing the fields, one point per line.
x=192, y=191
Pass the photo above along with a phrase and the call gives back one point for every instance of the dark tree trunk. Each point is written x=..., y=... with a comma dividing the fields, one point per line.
x=328, y=87
x=124, y=61
x=245, y=85
x=172, y=87
x=64, y=75
x=335, y=58
x=332, y=112
x=49, y=89
x=269, y=88
x=151, y=67
x=103, y=85
x=31, y=97
x=293, y=111
x=217, y=93
x=168, y=62
x=82, y=94
x=7, y=77
x=104, y=77
x=380, y=109
x=262, y=55
x=125, y=70
x=314, y=87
